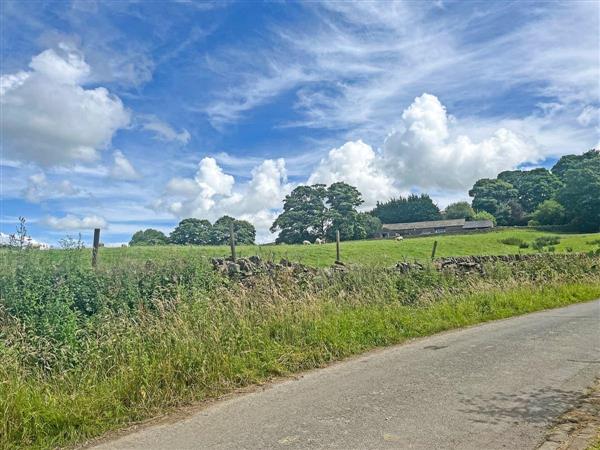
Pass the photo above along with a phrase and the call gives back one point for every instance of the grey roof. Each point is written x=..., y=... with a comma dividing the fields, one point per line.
x=421, y=225
x=479, y=224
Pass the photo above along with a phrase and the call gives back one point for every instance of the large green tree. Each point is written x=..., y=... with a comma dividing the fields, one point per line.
x=149, y=236
x=304, y=215
x=369, y=226
x=533, y=186
x=498, y=198
x=414, y=208
x=589, y=159
x=581, y=198
x=343, y=201
x=549, y=212
x=459, y=210
x=192, y=232
x=245, y=233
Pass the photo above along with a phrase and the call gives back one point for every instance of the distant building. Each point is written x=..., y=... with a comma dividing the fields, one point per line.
x=434, y=227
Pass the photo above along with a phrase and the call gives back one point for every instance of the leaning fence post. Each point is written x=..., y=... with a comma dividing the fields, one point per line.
x=232, y=241
x=433, y=250
x=95, y=246
x=337, y=246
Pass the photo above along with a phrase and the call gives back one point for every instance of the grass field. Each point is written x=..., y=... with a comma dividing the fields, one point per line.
x=383, y=252
x=87, y=351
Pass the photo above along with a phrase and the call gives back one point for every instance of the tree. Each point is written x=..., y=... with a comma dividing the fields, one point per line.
x=533, y=186
x=497, y=197
x=580, y=197
x=549, y=212
x=484, y=215
x=459, y=210
x=370, y=225
x=245, y=233
x=149, y=236
x=192, y=232
x=342, y=215
x=304, y=215
x=414, y=208
x=589, y=159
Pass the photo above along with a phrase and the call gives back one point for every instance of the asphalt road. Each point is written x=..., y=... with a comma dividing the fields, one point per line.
x=494, y=386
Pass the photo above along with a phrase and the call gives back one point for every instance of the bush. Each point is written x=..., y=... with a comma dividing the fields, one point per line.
x=545, y=241
x=514, y=241
x=523, y=245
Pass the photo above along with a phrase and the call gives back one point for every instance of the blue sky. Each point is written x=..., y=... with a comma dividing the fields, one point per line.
x=129, y=115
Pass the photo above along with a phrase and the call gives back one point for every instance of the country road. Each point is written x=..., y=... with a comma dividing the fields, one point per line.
x=493, y=386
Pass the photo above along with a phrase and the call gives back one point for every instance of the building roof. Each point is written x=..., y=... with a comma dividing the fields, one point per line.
x=421, y=225
x=478, y=224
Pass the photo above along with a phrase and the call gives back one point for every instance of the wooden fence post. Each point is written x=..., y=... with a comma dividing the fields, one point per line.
x=337, y=246
x=232, y=241
x=95, y=246
x=433, y=250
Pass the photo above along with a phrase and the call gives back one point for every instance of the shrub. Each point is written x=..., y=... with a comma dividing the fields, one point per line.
x=545, y=241
x=513, y=241
x=523, y=245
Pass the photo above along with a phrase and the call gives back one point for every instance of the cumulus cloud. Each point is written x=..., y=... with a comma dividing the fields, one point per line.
x=164, y=131
x=213, y=193
x=428, y=153
x=40, y=188
x=49, y=117
x=122, y=168
x=356, y=163
x=72, y=222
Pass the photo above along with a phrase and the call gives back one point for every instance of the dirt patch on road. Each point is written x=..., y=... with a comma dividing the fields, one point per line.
x=579, y=428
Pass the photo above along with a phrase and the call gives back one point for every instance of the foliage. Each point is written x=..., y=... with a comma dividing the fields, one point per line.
x=342, y=214
x=533, y=186
x=304, y=215
x=414, y=208
x=370, y=224
x=459, y=210
x=70, y=243
x=589, y=159
x=317, y=211
x=484, y=215
x=498, y=198
x=192, y=232
x=85, y=351
x=512, y=241
x=245, y=233
x=549, y=212
x=149, y=236
x=581, y=197
x=20, y=239
x=546, y=241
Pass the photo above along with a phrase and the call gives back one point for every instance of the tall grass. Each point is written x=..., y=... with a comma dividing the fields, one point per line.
x=87, y=351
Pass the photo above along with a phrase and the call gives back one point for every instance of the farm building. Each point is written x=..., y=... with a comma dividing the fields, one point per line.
x=434, y=227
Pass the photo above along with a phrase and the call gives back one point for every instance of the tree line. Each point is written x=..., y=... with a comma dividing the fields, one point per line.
x=567, y=196
x=198, y=232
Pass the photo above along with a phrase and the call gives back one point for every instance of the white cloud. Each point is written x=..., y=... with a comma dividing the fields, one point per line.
x=213, y=193
x=357, y=164
x=122, y=168
x=164, y=131
x=212, y=180
x=48, y=116
x=589, y=115
x=40, y=188
x=72, y=222
x=428, y=153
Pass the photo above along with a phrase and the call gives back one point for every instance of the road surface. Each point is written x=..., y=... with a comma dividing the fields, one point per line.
x=494, y=386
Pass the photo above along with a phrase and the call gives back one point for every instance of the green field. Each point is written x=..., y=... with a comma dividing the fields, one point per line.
x=384, y=252
x=85, y=351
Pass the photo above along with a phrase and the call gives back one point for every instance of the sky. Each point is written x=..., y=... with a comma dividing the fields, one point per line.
x=129, y=115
